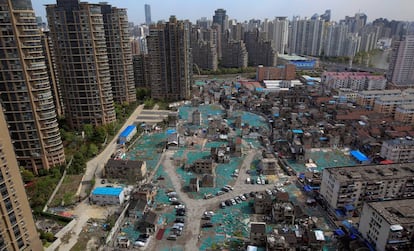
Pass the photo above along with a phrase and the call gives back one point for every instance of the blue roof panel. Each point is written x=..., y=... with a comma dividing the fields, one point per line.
x=127, y=131
x=359, y=156
x=110, y=191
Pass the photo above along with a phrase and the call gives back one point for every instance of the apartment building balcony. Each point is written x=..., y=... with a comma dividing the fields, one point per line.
x=47, y=115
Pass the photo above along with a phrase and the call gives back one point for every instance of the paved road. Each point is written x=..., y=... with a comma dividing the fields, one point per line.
x=196, y=208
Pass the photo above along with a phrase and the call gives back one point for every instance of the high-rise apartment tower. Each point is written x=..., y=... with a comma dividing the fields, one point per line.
x=119, y=53
x=401, y=71
x=17, y=228
x=26, y=89
x=148, y=14
x=170, y=60
x=78, y=35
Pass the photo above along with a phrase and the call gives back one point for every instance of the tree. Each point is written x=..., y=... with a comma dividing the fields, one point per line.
x=92, y=150
x=27, y=176
x=99, y=135
x=78, y=164
x=88, y=129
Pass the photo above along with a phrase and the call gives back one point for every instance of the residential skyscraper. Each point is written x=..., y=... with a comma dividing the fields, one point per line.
x=17, y=228
x=326, y=16
x=306, y=36
x=234, y=54
x=141, y=72
x=221, y=19
x=260, y=50
x=25, y=89
x=170, y=60
x=204, y=23
x=147, y=14
x=401, y=71
x=78, y=36
x=280, y=34
x=203, y=48
x=119, y=54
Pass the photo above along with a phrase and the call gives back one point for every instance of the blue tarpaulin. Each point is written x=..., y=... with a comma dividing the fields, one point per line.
x=297, y=131
x=171, y=131
x=127, y=131
x=307, y=188
x=349, y=207
x=339, y=232
x=359, y=156
x=339, y=213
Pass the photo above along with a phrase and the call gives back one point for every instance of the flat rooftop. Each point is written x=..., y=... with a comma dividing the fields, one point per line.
x=395, y=211
x=292, y=57
x=372, y=172
x=108, y=191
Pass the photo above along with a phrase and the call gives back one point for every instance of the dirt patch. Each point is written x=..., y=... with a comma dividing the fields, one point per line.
x=66, y=193
x=92, y=236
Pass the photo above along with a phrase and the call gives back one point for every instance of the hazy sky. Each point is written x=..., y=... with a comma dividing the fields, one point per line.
x=258, y=9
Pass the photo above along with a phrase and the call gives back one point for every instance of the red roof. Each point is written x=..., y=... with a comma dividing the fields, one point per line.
x=386, y=162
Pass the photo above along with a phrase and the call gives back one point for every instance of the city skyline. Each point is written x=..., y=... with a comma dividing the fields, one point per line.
x=243, y=10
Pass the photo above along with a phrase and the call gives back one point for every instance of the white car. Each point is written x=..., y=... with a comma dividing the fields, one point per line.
x=259, y=181
x=173, y=199
x=229, y=187
x=181, y=206
x=139, y=244
x=242, y=197
x=172, y=194
x=208, y=213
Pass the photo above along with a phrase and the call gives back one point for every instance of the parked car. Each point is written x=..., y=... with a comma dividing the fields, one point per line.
x=172, y=194
x=225, y=189
x=233, y=202
x=179, y=220
x=238, y=200
x=143, y=236
x=207, y=224
x=242, y=197
x=103, y=181
x=222, y=204
x=228, y=202
x=180, y=213
x=209, y=213
x=206, y=217
x=179, y=206
x=219, y=193
x=229, y=187
x=139, y=244
x=172, y=199
x=172, y=237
